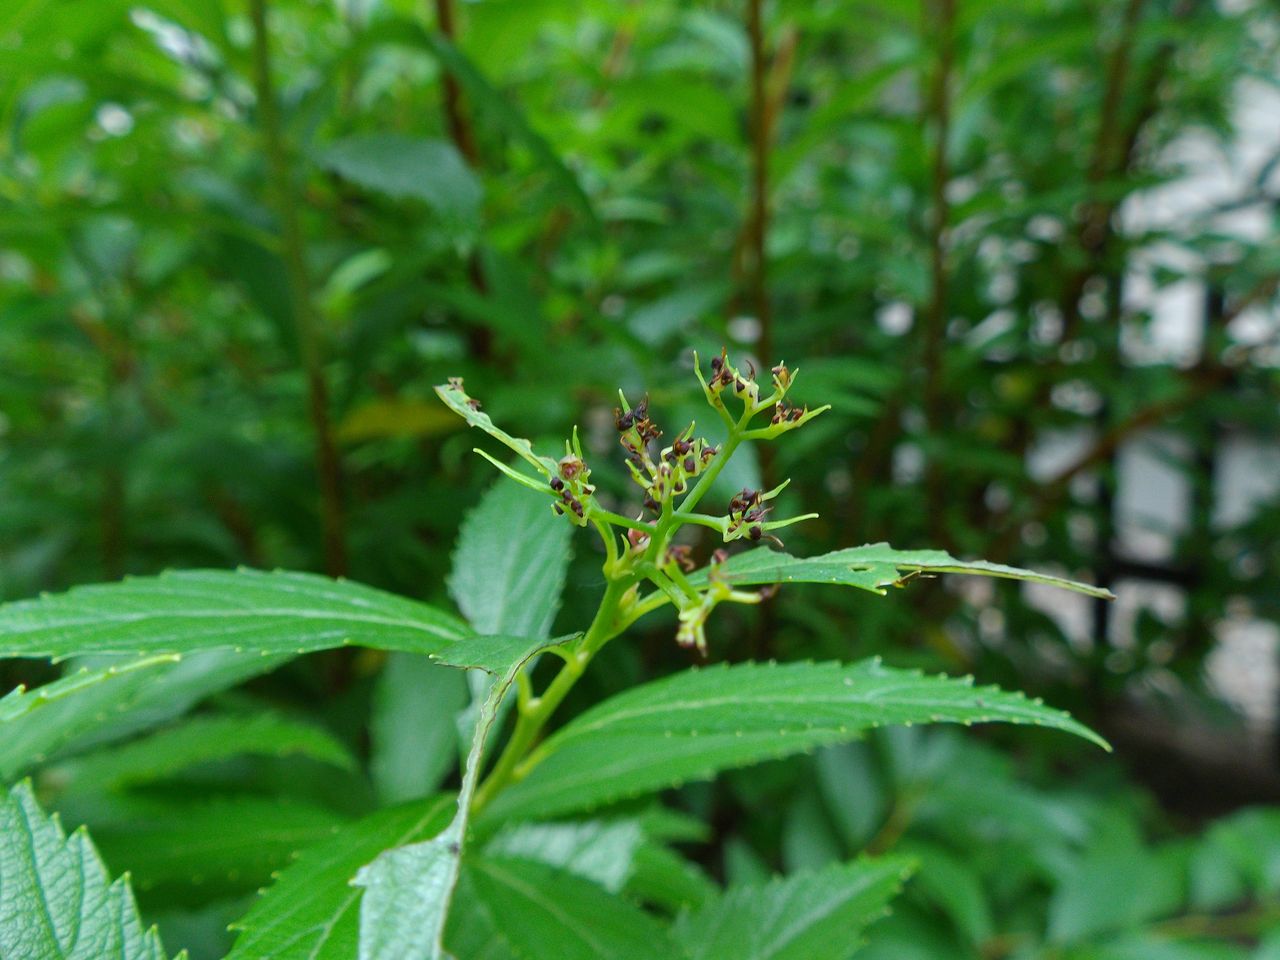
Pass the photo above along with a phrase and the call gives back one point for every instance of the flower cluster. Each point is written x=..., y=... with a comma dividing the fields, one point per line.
x=668, y=474
x=571, y=483
x=686, y=469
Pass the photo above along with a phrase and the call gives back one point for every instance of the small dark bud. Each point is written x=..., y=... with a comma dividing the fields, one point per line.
x=689, y=464
x=716, y=364
x=755, y=532
x=651, y=504
x=557, y=484
x=623, y=421
x=558, y=509
x=577, y=509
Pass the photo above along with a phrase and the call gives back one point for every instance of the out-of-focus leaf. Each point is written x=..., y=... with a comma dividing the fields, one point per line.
x=598, y=850
x=408, y=167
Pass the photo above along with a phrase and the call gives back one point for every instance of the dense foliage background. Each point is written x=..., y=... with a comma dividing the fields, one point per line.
x=1026, y=249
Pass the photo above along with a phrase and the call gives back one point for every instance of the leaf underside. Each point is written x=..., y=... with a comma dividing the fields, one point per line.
x=693, y=724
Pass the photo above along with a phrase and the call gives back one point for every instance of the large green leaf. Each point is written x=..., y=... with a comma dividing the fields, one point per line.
x=688, y=726
x=509, y=567
x=56, y=900
x=408, y=167
x=312, y=911
x=872, y=567
x=808, y=916
x=408, y=889
x=549, y=914
x=247, y=610
x=202, y=740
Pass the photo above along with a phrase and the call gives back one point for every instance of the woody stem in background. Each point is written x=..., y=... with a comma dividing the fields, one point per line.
x=293, y=250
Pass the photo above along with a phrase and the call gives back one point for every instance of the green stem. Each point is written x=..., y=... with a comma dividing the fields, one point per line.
x=536, y=711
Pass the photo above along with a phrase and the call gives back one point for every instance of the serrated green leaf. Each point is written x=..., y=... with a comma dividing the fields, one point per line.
x=872, y=567
x=202, y=740
x=312, y=911
x=228, y=843
x=416, y=168
x=247, y=610
x=34, y=723
x=56, y=899
x=550, y=914
x=692, y=724
x=808, y=916
x=456, y=399
x=408, y=889
x=509, y=567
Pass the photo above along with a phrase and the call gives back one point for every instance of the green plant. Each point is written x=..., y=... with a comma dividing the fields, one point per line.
x=552, y=852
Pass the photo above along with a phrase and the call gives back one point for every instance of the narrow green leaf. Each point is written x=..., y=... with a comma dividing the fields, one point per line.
x=510, y=563
x=456, y=399
x=250, y=611
x=873, y=567
x=807, y=916
x=56, y=899
x=408, y=167
x=550, y=914
x=34, y=723
x=202, y=740
x=312, y=911
x=690, y=725
x=408, y=889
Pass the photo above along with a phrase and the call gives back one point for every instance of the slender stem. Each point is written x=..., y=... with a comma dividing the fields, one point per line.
x=536, y=711
x=328, y=467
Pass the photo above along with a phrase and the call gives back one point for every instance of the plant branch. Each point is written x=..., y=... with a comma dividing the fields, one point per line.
x=328, y=466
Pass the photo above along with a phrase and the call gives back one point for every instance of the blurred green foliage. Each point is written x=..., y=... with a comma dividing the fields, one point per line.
x=234, y=263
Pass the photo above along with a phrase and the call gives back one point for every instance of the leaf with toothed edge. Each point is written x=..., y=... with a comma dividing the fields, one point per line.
x=311, y=911
x=408, y=889
x=872, y=567
x=456, y=399
x=56, y=899
x=251, y=611
x=693, y=724
x=817, y=915
x=35, y=723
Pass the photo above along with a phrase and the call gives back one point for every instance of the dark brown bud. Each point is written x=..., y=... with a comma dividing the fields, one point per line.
x=689, y=464
x=623, y=421
x=755, y=532
x=557, y=484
